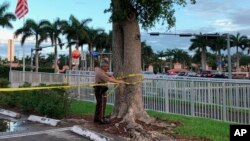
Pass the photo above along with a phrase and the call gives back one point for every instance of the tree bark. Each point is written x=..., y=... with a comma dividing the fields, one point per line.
x=70, y=57
x=56, y=58
x=237, y=60
x=203, y=59
x=90, y=56
x=220, y=60
x=127, y=60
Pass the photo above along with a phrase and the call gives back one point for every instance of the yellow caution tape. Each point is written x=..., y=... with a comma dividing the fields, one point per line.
x=72, y=86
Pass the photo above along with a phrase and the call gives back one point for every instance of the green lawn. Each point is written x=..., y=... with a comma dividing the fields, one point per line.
x=191, y=127
x=85, y=108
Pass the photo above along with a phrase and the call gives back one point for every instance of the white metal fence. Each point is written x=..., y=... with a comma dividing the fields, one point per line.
x=221, y=99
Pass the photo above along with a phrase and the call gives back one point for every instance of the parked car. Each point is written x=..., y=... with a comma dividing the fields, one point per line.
x=210, y=73
x=220, y=76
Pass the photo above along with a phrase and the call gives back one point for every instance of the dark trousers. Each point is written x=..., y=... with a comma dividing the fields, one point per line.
x=101, y=100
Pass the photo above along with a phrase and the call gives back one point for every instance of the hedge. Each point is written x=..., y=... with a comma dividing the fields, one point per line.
x=53, y=103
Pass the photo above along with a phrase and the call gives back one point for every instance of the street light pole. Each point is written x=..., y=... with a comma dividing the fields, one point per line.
x=229, y=58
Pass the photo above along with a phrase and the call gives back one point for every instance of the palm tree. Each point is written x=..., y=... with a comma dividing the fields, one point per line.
x=247, y=45
x=54, y=31
x=178, y=55
x=182, y=57
x=218, y=44
x=93, y=35
x=5, y=17
x=238, y=41
x=75, y=30
x=199, y=43
x=102, y=42
x=147, y=55
x=161, y=55
x=30, y=29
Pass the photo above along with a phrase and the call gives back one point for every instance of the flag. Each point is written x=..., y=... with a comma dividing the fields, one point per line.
x=21, y=8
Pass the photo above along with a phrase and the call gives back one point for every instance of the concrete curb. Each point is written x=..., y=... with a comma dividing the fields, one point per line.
x=10, y=113
x=89, y=134
x=44, y=120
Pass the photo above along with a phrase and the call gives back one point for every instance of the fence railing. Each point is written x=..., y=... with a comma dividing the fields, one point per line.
x=18, y=78
x=220, y=99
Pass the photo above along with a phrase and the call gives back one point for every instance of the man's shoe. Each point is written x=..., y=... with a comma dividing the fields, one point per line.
x=97, y=120
x=105, y=121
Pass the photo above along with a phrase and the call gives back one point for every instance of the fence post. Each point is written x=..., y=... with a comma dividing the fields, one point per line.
x=50, y=78
x=78, y=87
x=224, y=102
x=237, y=95
x=10, y=78
x=192, y=95
x=40, y=77
x=166, y=90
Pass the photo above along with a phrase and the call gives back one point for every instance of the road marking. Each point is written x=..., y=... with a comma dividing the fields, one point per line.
x=34, y=133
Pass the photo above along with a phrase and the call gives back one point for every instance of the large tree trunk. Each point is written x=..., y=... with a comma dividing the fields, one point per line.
x=127, y=60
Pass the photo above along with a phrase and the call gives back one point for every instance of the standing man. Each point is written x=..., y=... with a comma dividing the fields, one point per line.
x=101, y=76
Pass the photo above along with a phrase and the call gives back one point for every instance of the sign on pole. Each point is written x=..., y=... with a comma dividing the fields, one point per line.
x=75, y=57
x=83, y=56
x=75, y=61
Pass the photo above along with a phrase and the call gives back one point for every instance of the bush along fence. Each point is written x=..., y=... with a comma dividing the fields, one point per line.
x=53, y=103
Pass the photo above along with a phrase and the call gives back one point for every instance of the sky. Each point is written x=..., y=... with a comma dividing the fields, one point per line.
x=206, y=16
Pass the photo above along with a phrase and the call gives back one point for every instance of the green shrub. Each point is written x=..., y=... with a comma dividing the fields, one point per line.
x=52, y=103
x=4, y=71
x=3, y=125
x=4, y=83
x=10, y=99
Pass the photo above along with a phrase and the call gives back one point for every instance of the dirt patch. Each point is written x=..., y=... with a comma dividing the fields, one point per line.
x=119, y=129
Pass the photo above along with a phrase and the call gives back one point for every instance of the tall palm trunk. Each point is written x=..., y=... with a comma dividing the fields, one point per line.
x=91, y=57
x=77, y=48
x=36, y=54
x=56, y=56
x=70, y=57
x=220, y=60
x=203, y=59
x=237, y=59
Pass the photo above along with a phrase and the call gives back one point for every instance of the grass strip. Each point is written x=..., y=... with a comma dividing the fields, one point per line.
x=191, y=126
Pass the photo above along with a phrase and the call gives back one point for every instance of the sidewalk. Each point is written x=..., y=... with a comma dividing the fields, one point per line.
x=22, y=130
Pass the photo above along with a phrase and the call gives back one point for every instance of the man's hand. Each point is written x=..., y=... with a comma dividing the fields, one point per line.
x=121, y=82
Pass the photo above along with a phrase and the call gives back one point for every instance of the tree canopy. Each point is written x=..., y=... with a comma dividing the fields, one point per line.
x=148, y=12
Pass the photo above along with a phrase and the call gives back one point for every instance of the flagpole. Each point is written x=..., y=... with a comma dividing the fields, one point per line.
x=21, y=11
x=23, y=55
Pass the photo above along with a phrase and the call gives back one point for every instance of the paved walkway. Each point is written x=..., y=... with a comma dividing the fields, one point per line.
x=23, y=130
x=60, y=134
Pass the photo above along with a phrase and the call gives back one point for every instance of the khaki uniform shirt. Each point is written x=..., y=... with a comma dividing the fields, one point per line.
x=101, y=76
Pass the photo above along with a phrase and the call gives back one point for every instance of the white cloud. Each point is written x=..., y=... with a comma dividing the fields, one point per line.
x=5, y=35
x=223, y=22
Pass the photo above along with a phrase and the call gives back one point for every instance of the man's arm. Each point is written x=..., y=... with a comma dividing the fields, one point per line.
x=112, y=79
x=107, y=77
